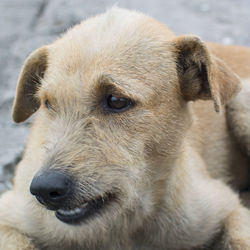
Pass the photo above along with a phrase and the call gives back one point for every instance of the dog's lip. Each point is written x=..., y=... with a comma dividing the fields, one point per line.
x=78, y=214
x=72, y=216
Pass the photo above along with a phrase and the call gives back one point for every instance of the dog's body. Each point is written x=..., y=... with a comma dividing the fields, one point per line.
x=161, y=164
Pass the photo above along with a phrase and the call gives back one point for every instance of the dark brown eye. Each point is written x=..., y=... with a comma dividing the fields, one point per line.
x=47, y=104
x=118, y=104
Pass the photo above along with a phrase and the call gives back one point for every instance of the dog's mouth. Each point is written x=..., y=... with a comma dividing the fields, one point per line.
x=89, y=208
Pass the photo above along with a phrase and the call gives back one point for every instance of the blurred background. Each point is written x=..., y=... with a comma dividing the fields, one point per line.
x=27, y=24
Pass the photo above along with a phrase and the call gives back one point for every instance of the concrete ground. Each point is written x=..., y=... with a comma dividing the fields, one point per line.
x=28, y=24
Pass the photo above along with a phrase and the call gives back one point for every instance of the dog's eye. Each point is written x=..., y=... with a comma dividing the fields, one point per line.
x=47, y=104
x=118, y=104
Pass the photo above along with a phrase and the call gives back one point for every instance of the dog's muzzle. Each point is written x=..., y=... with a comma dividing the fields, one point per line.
x=55, y=190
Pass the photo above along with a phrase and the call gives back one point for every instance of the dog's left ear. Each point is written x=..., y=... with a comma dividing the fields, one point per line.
x=25, y=103
x=203, y=75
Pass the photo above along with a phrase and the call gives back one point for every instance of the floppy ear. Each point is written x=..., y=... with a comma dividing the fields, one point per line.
x=25, y=103
x=203, y=75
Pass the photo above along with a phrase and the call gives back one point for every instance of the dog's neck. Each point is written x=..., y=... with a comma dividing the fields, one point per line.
x=170, y=220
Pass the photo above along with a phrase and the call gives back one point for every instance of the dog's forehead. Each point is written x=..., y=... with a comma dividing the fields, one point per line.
x=119, y=42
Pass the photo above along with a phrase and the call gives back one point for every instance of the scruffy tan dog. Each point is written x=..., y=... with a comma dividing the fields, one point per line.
x=119, y=156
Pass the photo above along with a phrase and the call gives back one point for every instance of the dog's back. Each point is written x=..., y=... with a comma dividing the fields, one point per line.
x=223, y=139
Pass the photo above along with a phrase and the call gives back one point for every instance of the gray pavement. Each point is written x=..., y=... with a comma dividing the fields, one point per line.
x=28, y=24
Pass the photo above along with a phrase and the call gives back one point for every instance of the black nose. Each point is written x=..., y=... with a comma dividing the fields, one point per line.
x=51, y=189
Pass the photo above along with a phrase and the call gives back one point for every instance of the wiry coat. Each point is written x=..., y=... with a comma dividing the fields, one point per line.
x=169, y=160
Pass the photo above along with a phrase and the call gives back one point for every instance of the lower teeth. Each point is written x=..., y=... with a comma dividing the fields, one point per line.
x=72, y=212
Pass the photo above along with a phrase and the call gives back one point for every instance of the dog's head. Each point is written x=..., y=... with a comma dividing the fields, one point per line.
x=111, y=98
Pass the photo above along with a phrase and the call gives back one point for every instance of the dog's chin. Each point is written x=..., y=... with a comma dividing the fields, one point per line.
x=89, y=209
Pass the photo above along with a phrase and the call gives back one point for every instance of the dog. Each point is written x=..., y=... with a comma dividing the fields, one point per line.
x=135, y=143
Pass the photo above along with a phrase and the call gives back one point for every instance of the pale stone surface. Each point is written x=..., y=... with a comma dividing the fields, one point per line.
x=28, y=24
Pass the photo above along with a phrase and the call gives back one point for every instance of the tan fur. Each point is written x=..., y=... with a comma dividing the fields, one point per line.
x=14, y=239
x=29, y=82
x=172, y=161
x=238, y=113
x=237, y=57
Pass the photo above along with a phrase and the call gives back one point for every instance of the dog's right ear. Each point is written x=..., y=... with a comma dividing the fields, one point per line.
x=202, y=75
x=26, y=103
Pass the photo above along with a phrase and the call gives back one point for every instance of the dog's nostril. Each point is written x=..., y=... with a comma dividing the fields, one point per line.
x=54, y=194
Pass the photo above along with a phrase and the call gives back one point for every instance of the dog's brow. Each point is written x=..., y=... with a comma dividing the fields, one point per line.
x=107, y=79
x=131, y=87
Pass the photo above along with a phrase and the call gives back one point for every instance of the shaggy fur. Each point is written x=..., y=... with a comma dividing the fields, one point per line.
x=173, y=164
